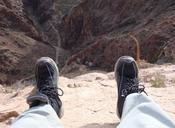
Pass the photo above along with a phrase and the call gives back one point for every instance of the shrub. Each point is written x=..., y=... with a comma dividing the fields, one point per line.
x=158, y=81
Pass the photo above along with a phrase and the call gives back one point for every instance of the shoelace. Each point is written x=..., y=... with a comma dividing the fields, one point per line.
x=52, y=91
x=48, y=90
x=132, y=86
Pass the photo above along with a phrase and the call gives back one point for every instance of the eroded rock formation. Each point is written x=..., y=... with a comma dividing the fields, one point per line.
x=94, y=33
x=110, y=22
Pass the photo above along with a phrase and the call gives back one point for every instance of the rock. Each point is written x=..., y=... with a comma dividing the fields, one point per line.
x=111, y=76
x=89, y=77
x=8, y=115
x=94, y=33
x=2, y=90
x=98, y=31
x=18, y=50
x=18, y=43
x=75, y=85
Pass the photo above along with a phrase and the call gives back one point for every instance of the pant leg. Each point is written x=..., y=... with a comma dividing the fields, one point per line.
x=38, y=117
x=140, y=111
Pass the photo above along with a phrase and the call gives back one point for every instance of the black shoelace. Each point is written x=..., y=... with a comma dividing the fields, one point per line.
x=52, y=91
x=49, y=89
x=133, y=86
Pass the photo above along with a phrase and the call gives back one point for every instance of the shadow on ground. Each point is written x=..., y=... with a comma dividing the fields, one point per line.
x=105, y=125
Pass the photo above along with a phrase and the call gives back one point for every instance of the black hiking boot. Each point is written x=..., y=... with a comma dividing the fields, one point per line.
x=126, y=75
x=46, y=74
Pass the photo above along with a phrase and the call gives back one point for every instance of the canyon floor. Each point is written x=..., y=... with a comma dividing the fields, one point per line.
x=90, y=99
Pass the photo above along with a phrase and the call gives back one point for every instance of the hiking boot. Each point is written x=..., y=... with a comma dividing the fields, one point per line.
x=46, y=74
x=126, y=75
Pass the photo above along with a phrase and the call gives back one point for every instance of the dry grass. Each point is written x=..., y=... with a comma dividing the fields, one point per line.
x=158, y=81
x=173, y=81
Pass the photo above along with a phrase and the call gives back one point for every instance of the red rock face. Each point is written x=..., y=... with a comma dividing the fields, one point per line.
x=110, y=22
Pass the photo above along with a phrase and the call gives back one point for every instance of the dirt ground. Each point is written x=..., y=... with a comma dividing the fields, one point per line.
x=90, y=99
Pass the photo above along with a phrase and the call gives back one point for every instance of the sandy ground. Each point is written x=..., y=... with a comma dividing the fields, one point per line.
x=90, y=99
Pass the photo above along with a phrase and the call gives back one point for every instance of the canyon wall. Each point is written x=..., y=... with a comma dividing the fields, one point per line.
x=94, y=33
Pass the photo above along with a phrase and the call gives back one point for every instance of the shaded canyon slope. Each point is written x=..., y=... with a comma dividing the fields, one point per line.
x=89, y=32
x=20, y=43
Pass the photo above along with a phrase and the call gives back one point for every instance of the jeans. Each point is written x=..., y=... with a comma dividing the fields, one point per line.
x=38, y=117
x=140, y=111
